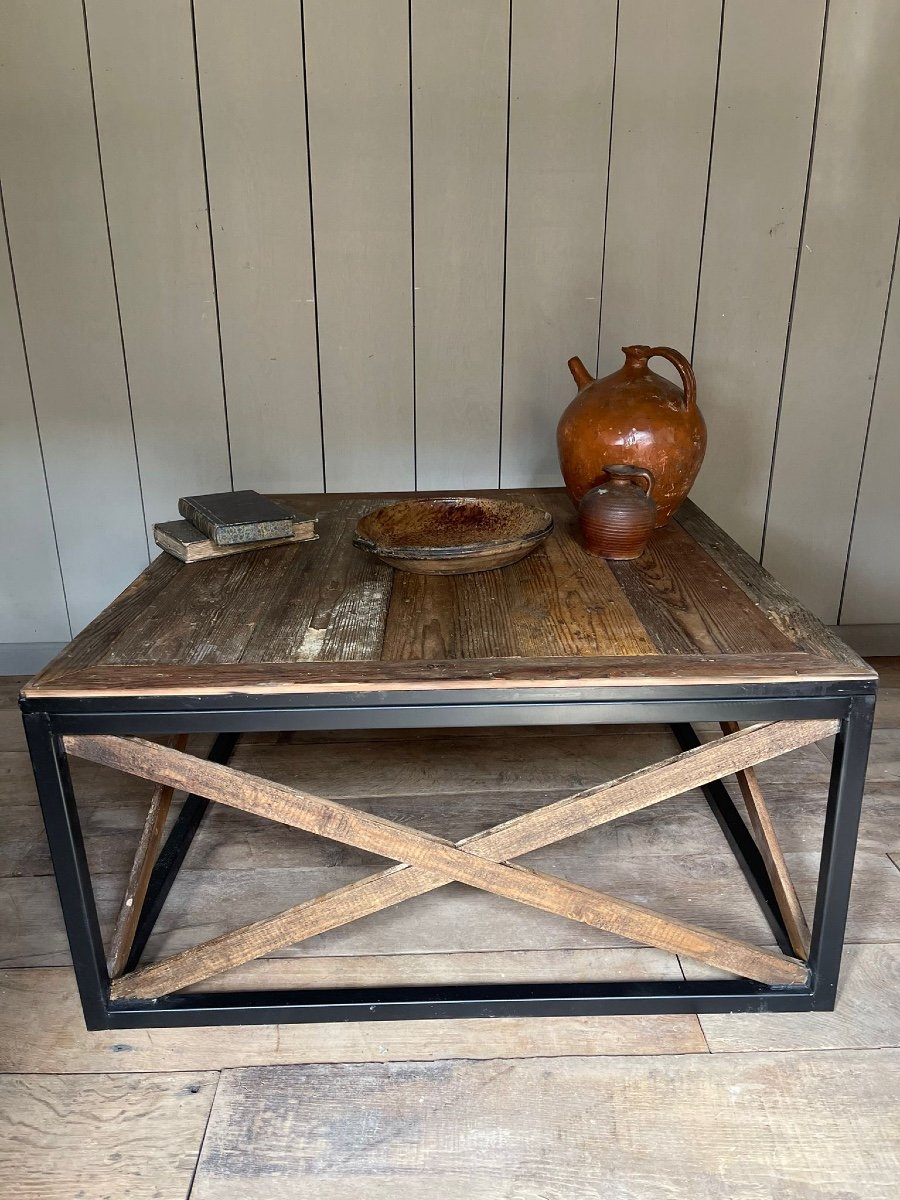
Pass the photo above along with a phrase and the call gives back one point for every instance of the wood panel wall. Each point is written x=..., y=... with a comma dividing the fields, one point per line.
x=288, y=245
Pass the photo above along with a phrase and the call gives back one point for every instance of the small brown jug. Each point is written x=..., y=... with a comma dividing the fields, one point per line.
x=618, y=517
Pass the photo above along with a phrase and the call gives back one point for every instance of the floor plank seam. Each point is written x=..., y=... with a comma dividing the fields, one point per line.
x=190, y=1187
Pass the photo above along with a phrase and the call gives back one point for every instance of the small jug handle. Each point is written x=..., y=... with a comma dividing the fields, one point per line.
x=684, y=368
x=638, y=475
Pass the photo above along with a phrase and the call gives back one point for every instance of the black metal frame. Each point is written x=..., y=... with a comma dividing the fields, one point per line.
x=47, y=721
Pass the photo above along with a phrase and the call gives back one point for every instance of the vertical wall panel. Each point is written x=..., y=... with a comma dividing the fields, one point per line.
x=766, y=101
x=357, y=56
x=32, y=604
x=146, y=95
x=460, y=63
x=58, y=238
x=254, y=121
x=561, y=87
x=872, y=593
x=848, y=243
x=662, y=124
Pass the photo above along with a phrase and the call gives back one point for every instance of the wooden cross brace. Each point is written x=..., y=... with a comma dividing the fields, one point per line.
x=426, y=862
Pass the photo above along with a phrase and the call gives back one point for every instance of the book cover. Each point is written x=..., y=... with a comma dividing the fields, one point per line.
x=229, y=518
x=185, y=542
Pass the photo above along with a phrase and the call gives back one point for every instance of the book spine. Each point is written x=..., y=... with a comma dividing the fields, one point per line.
x=198, y=517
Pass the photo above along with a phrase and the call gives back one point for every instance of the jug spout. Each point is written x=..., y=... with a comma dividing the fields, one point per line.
x=580, y=373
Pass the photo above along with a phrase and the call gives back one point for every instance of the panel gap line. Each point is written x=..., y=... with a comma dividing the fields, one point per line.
x=212, y=248
x=202, y=1142
x=115, y=278
x=862, y=461
x=794, y=287
x=709, y=167
x=612, y=119
x=37, y=424
x=312, y=241
x=412, y=247
x=509, y=52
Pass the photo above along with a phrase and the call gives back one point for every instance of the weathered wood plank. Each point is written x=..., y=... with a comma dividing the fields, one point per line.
x=867, y=1012
x=254, y=124
x=287, y=678
x=781, y=607
x=689, y=604
x=468, y=1131
x=770, y=848
x=45, y=1031
x=139, y=876
x=517, y=837
x=563, y=58
x=107, y=1136
x=703, y=888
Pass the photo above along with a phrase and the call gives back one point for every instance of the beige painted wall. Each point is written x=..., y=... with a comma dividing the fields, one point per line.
x=286, y=245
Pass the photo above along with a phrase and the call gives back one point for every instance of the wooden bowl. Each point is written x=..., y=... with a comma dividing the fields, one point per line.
x=452, y=535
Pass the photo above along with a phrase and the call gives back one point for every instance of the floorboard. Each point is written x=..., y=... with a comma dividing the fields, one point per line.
x=703, y=1126
x=102, y=1137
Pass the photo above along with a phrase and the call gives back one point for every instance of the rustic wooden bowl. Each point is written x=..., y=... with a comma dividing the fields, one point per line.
x=452, y=535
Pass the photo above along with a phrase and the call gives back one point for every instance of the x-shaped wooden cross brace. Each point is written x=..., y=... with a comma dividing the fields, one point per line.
x=426, y=862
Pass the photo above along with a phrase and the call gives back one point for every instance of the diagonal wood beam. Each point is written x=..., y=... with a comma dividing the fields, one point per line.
x=769, y=847
x=141, y=869
x=468, y=862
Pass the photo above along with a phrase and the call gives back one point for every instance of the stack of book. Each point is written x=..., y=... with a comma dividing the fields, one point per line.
x=229, y=523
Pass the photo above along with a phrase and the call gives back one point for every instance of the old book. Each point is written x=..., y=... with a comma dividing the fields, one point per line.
x=186, y=542
x=232, y=517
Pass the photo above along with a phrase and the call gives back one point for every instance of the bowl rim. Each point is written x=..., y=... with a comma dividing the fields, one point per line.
x=465, y=549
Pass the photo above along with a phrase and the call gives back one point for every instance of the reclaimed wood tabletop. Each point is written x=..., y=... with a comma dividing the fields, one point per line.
x=325, y=616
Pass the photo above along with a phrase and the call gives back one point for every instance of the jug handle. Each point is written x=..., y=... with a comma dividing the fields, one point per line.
x=684, y=368
x=638, y=475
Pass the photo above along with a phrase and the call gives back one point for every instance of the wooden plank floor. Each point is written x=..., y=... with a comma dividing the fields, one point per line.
x=721, y=1107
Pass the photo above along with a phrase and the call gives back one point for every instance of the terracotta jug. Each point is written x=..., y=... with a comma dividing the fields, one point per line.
x=637, y=416
x=618, y=517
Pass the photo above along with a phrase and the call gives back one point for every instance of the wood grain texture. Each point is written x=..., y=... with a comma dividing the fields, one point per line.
x=139, y=877
x=32, y=601
x=867, y=1012
x=326, y=616
x=437, y=857
x=103, y=1135
x=562, y=63
x=872, y=588
x=782, y=608
x=689, y=603
x=156, y=201
x=460, y=67
x=666, y=59
x=357, y=63
x=40, y=1012
x=698, y=1127
x=766, y=98
x=767, y=840
x=54, y=205
x=842, y=289
x=254, y=123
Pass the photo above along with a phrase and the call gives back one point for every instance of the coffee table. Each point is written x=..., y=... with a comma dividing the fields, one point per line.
x=320, y=636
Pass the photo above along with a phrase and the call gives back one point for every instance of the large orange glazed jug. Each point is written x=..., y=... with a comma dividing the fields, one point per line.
x=637, y=417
